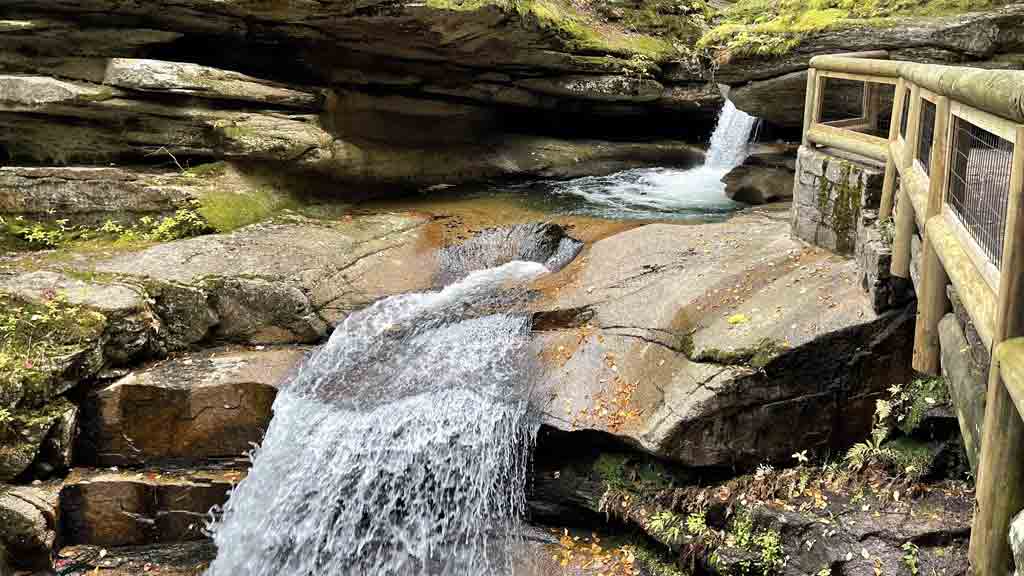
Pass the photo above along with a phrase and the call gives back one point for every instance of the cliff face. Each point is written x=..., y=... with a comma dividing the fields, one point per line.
x=391, y=92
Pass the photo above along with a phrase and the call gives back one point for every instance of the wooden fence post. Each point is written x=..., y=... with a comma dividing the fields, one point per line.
x=810, y=103
x=905, y=217
x=932, y=300
x=1000, y=486
x=889, y=184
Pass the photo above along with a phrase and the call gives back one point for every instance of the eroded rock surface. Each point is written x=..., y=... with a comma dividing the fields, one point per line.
x=209, y=405
x=28, y=525
x=693, y=343
x=111, y=508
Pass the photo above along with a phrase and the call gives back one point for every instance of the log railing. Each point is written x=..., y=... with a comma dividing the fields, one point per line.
x=954, y=173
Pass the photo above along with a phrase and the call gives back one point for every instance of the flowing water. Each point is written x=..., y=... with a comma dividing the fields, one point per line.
x=661, y=192
x=400, y=446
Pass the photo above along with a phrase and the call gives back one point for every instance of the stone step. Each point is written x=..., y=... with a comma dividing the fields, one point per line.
x=111, y=507
x=207, y=405
x=178, y=559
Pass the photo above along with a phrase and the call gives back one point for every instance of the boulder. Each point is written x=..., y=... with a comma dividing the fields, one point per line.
x=167, y=559
x=693, y=343
x=122, y=508
x=758, y=184
x=208, y=405
x=28, y=526
x=40, y=435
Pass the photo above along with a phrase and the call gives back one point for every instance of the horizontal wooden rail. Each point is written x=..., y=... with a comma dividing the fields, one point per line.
x=856, y=142
x=1010, y=356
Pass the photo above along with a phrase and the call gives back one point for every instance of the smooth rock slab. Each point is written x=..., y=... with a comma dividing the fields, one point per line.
x=122, y=508
x=215, y=404
x=716, y=345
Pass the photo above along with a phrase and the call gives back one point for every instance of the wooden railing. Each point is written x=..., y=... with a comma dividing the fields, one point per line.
x=955, y=153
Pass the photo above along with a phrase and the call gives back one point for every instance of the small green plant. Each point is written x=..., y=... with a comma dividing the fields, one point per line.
x=887, y=230
x=696, y=524
x=666, y=525
x=826, y=571
x=772, y=553
x=743, y=529
x=910, y=557
x=185, y=223
x=871, y=452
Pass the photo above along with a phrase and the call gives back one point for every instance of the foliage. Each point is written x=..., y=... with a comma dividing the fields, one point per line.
x=772, y=554
x=667, y=526
x=769, y=28
x=697, y=524
x=871, y=452
x=887, y=230
x=909, y=405
x=35, y=337
x=910, y=557
x=184, y=223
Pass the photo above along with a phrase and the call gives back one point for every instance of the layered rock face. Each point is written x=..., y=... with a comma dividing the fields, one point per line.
x=379, y=94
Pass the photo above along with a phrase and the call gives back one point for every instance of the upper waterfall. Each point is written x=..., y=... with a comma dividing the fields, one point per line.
x=729, y=142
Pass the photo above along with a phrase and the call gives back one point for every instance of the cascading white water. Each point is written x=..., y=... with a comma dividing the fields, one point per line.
x=400, y=447
x=656, y=192
x=729, y=141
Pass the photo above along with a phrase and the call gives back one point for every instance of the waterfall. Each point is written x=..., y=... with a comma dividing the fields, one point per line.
x=728, y=147
x=400, y=446
x=660, y=192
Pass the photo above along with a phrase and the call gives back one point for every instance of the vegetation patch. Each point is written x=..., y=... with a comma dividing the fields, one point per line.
x=755, y=357
x=33, y=235
x=768, y=28
x=38, y=341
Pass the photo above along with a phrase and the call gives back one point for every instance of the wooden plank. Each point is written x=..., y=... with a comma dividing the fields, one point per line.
x=854, y=124
x=917, y=189
x=856, y=142
x=978, y=298
x=1000, y=487
x=1000, y=127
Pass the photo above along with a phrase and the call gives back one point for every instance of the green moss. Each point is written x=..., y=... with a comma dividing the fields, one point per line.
x=578, y=30
x=756, y=357
x=621, y=472
x=920, y=396
x=36, y=342
x=208, y=170
x=769, y=28
x=839, y=203
x=227, y=210
x=912, y=457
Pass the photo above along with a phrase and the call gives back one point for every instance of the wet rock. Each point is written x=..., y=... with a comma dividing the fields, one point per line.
x=28, y=438
x=28, y=526
x=605, y=88
x=170, y=559
x=702, y=339
x=758, y=184
x=109, y=508
x=209, y=405
x=5, y=566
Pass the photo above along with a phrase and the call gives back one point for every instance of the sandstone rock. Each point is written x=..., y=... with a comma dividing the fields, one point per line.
x=814, y=521
x=88, y=195
x=26, y=439
x=202, y=81
x=28, y=526
x=168, y=558
x=215, y=404
x=5, y=566
x=604, y=88
x=692, y=343
x=829, y=196
x=106, y=508
x=283, y=281
x=779, y=100
x=758, y=184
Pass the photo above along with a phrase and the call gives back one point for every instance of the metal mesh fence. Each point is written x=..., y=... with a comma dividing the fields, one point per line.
x=905, y=114
x=842, y=99
x=924, y=144
x=979, y=185
x=885, y=97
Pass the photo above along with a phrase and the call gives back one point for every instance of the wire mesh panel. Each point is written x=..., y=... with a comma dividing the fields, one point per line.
x=924, y=143
x=905, y=114
x=979, y=185
x=842, y=99
x=884, y=96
